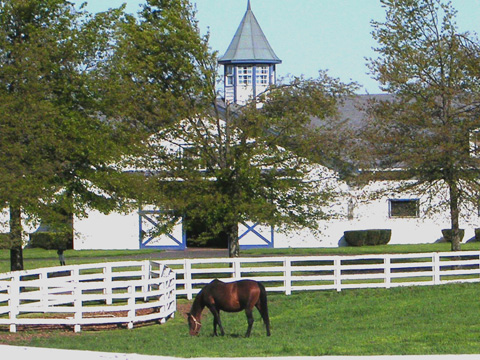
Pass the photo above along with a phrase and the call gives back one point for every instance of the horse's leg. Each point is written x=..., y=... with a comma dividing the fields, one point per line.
x=250, y=321
x=215, y=326
x=216, y=320
x=264, y=313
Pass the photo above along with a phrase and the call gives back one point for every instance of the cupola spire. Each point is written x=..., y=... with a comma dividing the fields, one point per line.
x=249, y=61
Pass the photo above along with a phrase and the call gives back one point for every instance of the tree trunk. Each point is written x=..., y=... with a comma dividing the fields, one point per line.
x=233, y=243
x=454, y=216
x=16, y=249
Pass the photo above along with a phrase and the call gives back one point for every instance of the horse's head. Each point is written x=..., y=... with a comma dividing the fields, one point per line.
x=194, y=325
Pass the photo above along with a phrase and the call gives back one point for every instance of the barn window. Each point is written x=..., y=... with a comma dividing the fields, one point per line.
x=403, y=208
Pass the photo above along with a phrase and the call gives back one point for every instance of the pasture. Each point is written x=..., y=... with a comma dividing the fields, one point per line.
x=441, y=319
x=414, y=320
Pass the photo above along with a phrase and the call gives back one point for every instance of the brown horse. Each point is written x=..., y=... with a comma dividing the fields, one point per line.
x=230, y=297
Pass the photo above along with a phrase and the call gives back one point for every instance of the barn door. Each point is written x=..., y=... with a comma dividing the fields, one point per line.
x=152, y=235
x=255, y=236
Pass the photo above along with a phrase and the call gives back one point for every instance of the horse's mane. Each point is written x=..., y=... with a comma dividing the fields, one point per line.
x=198, y=304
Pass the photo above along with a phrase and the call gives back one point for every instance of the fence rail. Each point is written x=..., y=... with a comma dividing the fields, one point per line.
x=304, y=273
x=130, y=292
x=79, y=295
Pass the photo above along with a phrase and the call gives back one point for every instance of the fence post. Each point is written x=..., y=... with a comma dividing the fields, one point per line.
x=188, y=278
x=77, y=305
x=131, y=306
x=388, y=271
x=43, y=290
x=145, y=278
x=108, y=289
x=436, y=269
x=77, y=299
x=14, y=301
x=337, y=273
x=287, y=265
x=237, y=269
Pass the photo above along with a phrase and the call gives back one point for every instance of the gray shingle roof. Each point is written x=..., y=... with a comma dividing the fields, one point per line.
x=249, y=45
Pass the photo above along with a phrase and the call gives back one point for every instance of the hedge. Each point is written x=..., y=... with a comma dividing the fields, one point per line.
x=50, y=240
x=368, y=237
x=448, y=234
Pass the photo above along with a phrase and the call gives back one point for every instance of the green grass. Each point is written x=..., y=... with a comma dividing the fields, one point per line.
x=401, y=321
x=39, y=258
x=419, y=320
x=351, y=250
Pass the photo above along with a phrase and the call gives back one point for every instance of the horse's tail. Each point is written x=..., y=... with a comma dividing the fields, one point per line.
x=264, y=307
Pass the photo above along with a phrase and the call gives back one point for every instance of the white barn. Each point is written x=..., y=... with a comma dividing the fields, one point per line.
x=249, y=68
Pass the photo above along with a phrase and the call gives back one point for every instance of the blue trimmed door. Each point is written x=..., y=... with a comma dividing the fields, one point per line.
x=255, y=236
x=151, y=236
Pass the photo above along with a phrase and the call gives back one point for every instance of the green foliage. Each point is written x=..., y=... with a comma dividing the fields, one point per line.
x=448, y=234
x=64, y=121
x=51, y=138
x=50, y=240
x=368, y=237
x=433, y=71
x=238, y=164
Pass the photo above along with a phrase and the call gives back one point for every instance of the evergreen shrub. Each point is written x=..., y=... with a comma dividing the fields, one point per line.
x=368, y=237
x=448, y=234
x=49, y=240
x=4, y=241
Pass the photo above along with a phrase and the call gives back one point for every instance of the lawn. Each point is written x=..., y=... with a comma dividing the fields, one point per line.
x=400, y=321
x=420, y=320
x=37, y=258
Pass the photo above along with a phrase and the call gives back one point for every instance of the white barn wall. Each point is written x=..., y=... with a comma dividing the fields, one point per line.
x=371, y=213
x=28, y=227
x=121, y=231
x=112, y=231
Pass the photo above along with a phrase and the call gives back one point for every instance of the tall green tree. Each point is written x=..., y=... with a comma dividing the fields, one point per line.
x=433, y=71
x=258, y=163
x=57, y=146
x=217, y=164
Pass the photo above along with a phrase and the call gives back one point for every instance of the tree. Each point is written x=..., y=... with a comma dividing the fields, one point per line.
x=433, y=71
x=57, y=147
x=221, y=164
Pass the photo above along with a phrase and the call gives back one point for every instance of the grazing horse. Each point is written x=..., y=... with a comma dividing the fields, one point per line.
x=230, y=297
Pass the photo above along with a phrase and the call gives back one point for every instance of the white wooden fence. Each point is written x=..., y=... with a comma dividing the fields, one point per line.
x=130, y=292
x=288, y=274
x=79, y=295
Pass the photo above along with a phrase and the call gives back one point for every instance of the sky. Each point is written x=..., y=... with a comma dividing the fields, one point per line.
x=307, y=35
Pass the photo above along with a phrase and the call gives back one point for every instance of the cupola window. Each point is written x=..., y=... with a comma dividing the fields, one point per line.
x=229, y=73
x=262, y=75
x=245, y=75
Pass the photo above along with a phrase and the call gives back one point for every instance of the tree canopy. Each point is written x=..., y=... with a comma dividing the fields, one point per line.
x=220, y=164
x=433, y=71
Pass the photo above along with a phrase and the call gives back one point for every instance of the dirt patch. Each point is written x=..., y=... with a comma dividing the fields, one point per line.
x=24, y=332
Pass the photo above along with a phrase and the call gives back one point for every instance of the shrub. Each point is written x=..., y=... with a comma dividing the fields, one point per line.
x=447, y=234
x=477, y=234
x=4, y=241
x=368, y=237
x=49, y=240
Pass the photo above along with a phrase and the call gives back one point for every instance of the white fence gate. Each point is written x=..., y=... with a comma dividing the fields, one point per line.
x=303, y=273
x=93, y=294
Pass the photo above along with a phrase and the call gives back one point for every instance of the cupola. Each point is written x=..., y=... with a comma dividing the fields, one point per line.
x=249, y=62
